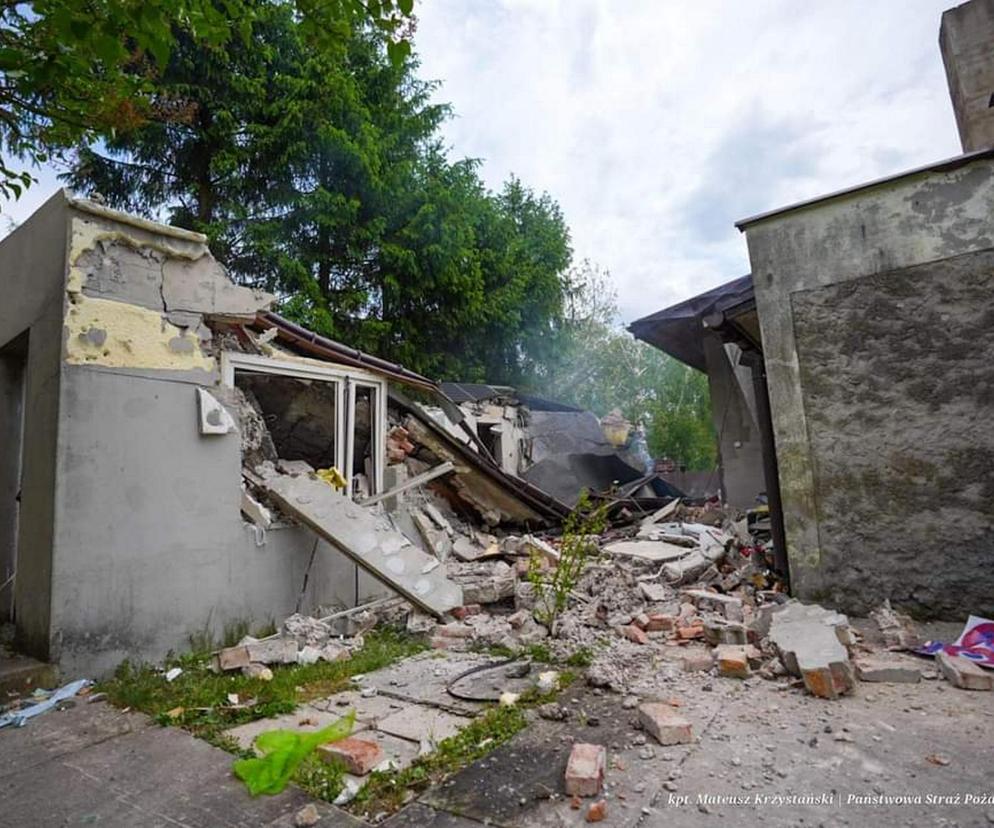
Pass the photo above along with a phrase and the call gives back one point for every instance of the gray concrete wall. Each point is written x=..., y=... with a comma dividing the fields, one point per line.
x=966, y=38
x=875, y=320
x=151, y=547
x=733, y=415
x=32, y=283
x=131, y=534
x=13, y=365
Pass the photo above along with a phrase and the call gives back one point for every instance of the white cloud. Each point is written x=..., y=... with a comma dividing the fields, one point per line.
x=656, y=125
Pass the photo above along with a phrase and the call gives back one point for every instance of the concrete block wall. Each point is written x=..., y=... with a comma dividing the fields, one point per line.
x=876, y=323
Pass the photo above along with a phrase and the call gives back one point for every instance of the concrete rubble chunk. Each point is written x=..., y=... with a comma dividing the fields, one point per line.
x=648, y=550
x=719, y=631
x=727, y=605
x=811, y=642
x=585, y=769
x=368, y=540
x=697, y=661
x=888, y=671
x=963, y=673
x=532, y=545
x=359, y=756
x=898, y=629
x=664, y=724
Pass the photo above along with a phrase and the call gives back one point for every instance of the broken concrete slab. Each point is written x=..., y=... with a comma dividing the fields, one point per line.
x=305, y=719
x=728, y=605
x=368, y=709
x=809, y=640
x=889, y=671
x=963, y=673
x=647, y=550
x=418, y=723
x=369, y=540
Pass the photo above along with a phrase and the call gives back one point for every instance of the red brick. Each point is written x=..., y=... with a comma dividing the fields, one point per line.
x=585, y=769
x=732, y=661
x=359, y=756
x=633, y=633
x=233, y=658
x=597, y=811
x=658, y=622
x=688, y=633
x=664, y=724
x=641, y=621
x=466, y=611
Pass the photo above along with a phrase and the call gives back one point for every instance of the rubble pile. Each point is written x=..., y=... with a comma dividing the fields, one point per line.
x=686, y=591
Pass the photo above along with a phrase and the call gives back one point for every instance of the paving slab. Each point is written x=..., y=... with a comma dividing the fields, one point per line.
x=61, y=732
x=149, y=776
x=306, y=719
x=424, y=677
x=418, y=815
x=418, y=723
x=367, y=710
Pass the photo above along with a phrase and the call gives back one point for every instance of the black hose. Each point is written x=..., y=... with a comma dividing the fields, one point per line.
x=479, y=668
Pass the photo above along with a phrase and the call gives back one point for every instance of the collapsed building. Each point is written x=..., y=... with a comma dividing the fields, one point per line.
x=559, y=448
x=851, y=375
x=151, y=406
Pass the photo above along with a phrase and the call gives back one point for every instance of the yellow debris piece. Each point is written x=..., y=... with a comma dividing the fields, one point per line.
x=333, y=477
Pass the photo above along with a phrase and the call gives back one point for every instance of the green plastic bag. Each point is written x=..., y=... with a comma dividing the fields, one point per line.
x=283, y=751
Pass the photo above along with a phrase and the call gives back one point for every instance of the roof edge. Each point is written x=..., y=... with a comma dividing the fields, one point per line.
x=85, y=205
x=939, y=166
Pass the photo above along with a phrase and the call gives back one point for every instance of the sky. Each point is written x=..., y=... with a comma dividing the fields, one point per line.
x=656, y=124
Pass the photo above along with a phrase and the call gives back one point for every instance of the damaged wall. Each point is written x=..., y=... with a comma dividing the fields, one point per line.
x=131, y=533
x=876, y=323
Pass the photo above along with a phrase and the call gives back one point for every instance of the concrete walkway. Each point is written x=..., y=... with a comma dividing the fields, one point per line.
x=94, y=765
x=755, y=746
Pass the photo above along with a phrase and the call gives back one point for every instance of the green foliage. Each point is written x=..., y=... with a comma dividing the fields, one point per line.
x=72, y=71
x=201, y=696
x=320, y=176
x=601, y=367
x=578, y=543
x=282, y=751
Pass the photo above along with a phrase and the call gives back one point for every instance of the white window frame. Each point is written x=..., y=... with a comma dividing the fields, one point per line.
x=344, y=379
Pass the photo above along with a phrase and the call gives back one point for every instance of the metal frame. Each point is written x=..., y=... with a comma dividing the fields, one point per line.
x=345, y=381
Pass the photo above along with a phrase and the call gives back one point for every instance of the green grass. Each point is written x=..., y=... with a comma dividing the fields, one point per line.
x=388, y=791
x=202, y=695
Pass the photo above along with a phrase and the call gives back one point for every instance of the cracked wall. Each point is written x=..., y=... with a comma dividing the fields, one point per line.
x=137, y=298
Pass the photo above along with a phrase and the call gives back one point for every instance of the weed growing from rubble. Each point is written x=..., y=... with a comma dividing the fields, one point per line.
x=198, y=699
x=552, y=590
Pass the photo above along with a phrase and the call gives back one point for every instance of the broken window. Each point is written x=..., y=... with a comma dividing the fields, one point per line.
x=328, y=417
